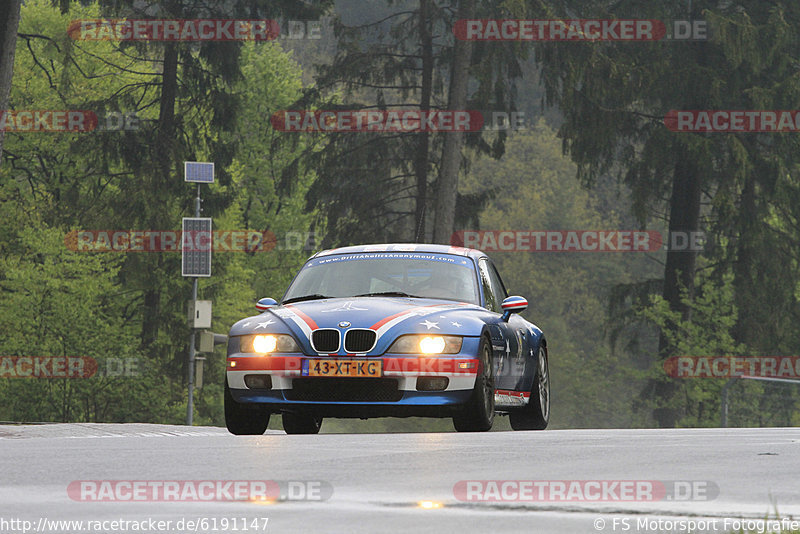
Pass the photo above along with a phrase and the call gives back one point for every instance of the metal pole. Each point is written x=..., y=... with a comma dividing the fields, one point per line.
x=190, y=404
x=724, y=407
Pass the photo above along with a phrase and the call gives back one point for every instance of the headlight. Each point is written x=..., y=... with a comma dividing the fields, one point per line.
x=265, y=343
x=425, y=344
x=432, y=345
x=268, y=343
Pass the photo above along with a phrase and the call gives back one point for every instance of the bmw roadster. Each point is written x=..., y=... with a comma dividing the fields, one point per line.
x=389, y=330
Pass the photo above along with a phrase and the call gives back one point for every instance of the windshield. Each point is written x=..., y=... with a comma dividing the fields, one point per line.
x=441, y=276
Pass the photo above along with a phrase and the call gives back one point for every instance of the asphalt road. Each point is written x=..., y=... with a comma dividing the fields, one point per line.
x=370, y=483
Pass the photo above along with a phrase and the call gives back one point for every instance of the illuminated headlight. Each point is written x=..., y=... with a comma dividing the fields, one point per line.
x=265, y=343
x=425, y=344
x=432, y=345
x=268, y=343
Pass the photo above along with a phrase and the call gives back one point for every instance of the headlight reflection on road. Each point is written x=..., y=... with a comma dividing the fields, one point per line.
x=264, y=500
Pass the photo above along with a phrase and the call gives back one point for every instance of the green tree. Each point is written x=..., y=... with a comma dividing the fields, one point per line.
x=60, y=303
x=9, y=22
x=614, y=97
x=403, y=56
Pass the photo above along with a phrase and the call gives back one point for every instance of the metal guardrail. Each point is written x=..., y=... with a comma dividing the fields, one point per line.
x=732, y=381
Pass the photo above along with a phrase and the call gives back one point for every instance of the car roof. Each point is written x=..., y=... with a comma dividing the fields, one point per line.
x=404, y=247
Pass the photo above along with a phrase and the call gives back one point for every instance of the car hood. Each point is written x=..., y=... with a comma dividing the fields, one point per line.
x=390, y=317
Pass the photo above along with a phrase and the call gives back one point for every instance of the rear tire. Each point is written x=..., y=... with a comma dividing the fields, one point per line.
x=301, y=423
x=241, y=420
x=536, y=414
x=478, y=414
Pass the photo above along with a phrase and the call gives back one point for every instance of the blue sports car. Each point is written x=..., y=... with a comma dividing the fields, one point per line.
x=389, y=330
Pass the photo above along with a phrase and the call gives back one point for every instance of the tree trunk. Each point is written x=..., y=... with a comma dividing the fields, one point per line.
x=9, y=24
x=684, y=218
x=447, y=187
x=746, y=257
x=421, y=159
x=159, y=179
x=166, y=115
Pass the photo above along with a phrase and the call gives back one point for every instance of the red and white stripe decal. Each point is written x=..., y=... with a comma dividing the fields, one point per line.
x=388, y=322
x=381, y=326
x=303, y=321
x=308, y=320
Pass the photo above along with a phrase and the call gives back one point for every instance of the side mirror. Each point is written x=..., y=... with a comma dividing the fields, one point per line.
x=265, y=304
x=513, y=305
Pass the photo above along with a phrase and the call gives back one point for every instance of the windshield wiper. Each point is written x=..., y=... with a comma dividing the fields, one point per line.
x=315, y=296
x=388, y=294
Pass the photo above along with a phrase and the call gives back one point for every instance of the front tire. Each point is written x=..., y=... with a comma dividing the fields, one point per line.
x=478, y=414
x=536, y=414
x=300, y=423
x=241, y=420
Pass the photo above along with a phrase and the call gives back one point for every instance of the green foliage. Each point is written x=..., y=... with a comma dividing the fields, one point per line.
x=713, y=316
x=70, y=177
x=708, y=334
x=54, y=301
x=266, y=199
x=59, y=303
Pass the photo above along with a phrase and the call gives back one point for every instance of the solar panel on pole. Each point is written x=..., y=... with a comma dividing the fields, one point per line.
x=196, y=171
x=196, y=242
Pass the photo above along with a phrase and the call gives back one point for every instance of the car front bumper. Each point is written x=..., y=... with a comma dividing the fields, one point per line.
x=399, y=391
